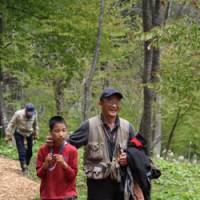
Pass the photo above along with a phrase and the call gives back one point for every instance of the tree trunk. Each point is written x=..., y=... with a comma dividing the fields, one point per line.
x=59, y=96
x=172, y=132
x=157, y=133
x=88, y=81
x=153, y=15
x=168, y=10
x=147, y=110
x=182, y=7
x=3, y=119
x=179, y=117
x=158, y=20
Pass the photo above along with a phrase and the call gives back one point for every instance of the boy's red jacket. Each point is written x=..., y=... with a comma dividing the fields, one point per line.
x=57, y=182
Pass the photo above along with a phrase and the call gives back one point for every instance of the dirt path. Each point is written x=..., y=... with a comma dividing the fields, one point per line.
x=13, y=185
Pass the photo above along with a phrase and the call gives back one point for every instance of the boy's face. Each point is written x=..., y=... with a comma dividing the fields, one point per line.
x=59, y=132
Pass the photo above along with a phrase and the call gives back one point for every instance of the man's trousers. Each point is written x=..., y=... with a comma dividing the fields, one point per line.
x=105, y=189
x=25, y=154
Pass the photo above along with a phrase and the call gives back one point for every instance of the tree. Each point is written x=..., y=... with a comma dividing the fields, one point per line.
x=153, y=16
x=88, y=81
x=48, y=42
x=181, y=82
x=179, y=39
x=3, y=119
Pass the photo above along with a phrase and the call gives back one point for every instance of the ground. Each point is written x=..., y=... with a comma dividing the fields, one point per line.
x=13, y=185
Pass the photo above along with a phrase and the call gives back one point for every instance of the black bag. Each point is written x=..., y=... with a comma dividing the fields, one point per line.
x=155, y=171
x=142, y=167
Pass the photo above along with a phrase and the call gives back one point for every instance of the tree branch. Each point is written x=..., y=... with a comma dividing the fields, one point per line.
x=7, y=45
x=168, y=10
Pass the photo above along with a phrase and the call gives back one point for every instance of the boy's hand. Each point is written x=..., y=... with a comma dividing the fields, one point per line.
x=47, y=161
x=49, y=141
x=59, y=158
x=49, y=158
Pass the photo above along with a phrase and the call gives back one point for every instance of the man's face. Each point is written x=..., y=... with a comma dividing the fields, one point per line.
x=110, y=106
x=28, y=114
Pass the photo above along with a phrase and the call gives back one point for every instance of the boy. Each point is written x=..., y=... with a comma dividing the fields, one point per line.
x=57, y=166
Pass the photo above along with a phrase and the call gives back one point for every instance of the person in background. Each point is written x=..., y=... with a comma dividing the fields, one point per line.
x=24, y=126
x=105, y=137
x=56, y=166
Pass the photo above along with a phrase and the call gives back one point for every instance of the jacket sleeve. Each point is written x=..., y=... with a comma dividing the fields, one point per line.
x=132, y=132
x=72, y=168
x=39, y=164
x=35, y=126
x=12, y=125
x=80, y=136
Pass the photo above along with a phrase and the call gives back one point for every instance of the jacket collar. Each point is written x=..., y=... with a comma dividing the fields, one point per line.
x=117, y=121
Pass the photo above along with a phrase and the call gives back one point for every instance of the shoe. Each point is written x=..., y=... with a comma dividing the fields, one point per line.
x=24, y=168
x=25, y=172
x=28, y=160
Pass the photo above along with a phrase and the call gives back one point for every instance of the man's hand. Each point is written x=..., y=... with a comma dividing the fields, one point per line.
x=122, y=159
x=49, y=141
x=35, y=136
x=8, y=138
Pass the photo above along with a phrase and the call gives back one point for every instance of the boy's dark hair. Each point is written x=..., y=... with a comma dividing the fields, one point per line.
x=55, y=120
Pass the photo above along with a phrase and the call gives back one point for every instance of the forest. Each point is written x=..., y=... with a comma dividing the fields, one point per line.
x=60, y=55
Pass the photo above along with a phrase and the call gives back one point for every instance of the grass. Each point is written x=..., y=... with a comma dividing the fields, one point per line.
x=179, y=181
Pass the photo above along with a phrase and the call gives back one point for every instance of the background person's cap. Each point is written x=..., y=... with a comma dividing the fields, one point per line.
x=109, y=92
x=30, y=108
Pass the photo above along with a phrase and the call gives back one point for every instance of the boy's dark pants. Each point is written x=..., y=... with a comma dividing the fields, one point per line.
x=105, y=189
x=24, y=154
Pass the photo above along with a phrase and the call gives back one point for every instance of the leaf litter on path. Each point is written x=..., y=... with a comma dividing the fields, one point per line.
x=13, y=185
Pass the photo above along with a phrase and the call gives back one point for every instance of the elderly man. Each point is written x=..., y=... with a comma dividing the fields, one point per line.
x=24, y=126
x=105, y=138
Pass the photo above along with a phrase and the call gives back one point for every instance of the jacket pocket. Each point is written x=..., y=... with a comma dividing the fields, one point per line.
x=98, y=171
x=95, y=151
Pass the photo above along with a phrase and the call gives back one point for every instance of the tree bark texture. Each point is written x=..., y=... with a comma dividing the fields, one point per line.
x=147, y=108
x=3, y=119
x=158, y=20
x=153, y=15
x=157, y=133
x=88, y=81
x=59, y=96
x=171, y=134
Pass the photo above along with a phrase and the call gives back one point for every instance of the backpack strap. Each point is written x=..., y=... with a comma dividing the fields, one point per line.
x=60, y=148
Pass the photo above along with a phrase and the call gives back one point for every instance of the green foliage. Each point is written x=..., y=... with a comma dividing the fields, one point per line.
x=44, y=41
x=8, y=150
x=180, y=83
x=178, y=181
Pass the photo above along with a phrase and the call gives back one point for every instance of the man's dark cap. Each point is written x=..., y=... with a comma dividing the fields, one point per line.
x=110, y=92
x=29, y=107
